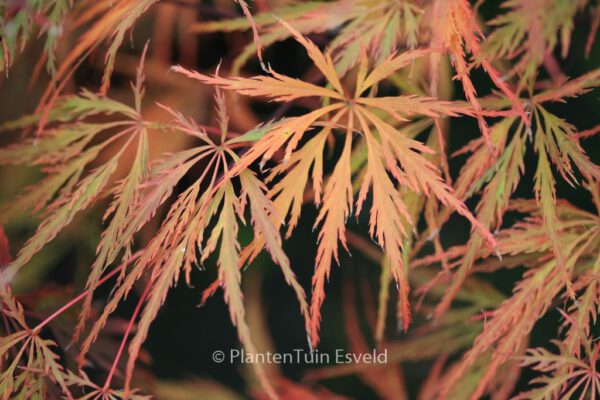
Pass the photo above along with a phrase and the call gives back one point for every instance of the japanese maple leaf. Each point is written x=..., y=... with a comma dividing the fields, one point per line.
x=392, y=159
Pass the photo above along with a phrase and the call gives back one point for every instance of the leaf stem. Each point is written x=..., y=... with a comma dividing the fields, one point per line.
x=82, y=294
x=138, y=307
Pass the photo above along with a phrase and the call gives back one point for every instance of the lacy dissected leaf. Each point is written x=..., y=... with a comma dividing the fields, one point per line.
x=203, y=219
x=565, y=375
x=455, y=28
x=555, y=144
x=69, y=154
x=530, y=30
x=30, y=367
x=65, y=153
x=557, y=148
x=392, y=157
x=509, y=325
x=125, y=198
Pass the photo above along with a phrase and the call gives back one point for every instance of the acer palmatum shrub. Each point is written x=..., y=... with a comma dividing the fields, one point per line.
x=449, y=146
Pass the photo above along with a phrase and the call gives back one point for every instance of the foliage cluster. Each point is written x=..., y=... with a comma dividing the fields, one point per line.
x=370, y=138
